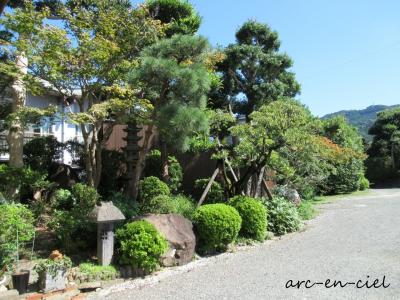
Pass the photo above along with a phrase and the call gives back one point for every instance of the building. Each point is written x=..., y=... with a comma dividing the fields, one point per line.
x=57, y=126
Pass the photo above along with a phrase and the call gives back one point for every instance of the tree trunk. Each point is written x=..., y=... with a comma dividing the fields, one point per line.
x=259, y=181
x=164, y=162
x=15, y=136
x=133, y=185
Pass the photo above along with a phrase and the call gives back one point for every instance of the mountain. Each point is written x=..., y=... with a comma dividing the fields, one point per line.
x=362, y=119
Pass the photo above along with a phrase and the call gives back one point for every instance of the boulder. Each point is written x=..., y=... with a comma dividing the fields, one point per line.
x=288, y=193
x=178, y=231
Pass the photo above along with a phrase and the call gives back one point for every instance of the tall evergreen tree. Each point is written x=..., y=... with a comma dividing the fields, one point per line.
x=254, y=72
x=174, y=77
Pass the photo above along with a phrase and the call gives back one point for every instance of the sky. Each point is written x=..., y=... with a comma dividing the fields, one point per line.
x=346, y=53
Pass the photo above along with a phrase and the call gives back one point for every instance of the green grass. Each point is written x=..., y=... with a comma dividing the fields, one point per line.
x=92, y=269
x=308, y=210
x=332, y=198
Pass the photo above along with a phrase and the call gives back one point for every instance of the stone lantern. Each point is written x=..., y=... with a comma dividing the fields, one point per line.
x=105, y=215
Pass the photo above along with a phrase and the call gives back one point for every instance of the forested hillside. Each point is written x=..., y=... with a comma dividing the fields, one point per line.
x=362, y=119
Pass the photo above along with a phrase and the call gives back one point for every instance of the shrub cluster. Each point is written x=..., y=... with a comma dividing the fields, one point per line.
x=282, y=216
x=306, y=210
x=254, y=217
x=70, y=220
x=16, y=220
x=153, y=168
x=140, y=245
x=217, y=225
x=151, y=187
x=164, y=204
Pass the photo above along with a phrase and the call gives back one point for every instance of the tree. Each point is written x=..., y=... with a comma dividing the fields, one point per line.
x=383, y=155
x=174, y=77
x=254, y=73
x=19, y=37
x=279, y=126
x=178, y=15
x=348, y=164
x=87, y=61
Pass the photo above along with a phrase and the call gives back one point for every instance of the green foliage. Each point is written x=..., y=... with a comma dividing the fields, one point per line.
x=71, y=224
x=174, y=77
x=383, y=161
x=153, y=168
x=282, y=216
x=140, y=245
x=184, y=206
x=16, y=219
x=164, y=204
x=20, y=183
x=215, y=194
x=254, y=72
x=306, y=210
x=364, y=183
x=52, y=266
x=348, y=167
x=254, y=217
x=179, y=16
x=40, y=152
x=62, y=199
x=96, y=271
x=111, y=173
x=160, y=204
x=127, y=206
x=151, y=187
x=217, y=225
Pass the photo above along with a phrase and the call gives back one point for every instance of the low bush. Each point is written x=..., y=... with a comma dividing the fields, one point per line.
x=151, y=187
x=161, y=204
x=153, y=168
x=306, y=210
x=72, y=226
x=127, y=206
x=217, y=225
x=254, y=217
x=95, y=271
x=183, y=206
x=364, y=183
x=62, y=199
x=16, y=219
x=215, y=194
x=20, y=183
x=40, y=152
x=282, y=216
x=140, y=245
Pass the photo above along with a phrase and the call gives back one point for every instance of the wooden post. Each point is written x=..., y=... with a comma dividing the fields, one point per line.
x=207, y=189
x=105, y=243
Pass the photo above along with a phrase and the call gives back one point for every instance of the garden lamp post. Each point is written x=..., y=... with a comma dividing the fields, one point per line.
x=105, y=215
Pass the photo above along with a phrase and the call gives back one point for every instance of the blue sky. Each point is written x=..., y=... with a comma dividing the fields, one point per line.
x=346, y=53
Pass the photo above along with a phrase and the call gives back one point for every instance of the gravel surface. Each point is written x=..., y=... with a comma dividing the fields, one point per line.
x=351, y=239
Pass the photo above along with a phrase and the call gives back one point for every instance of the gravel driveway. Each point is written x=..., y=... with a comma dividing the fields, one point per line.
x=350, y=240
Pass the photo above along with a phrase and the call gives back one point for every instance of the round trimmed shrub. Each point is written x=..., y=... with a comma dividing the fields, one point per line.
x=140, y=245
x=151, y=187
x=217, y=225
x=283, y=216
x=254, y=217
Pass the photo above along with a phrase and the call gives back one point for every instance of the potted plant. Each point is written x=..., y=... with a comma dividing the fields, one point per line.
x=53, y=272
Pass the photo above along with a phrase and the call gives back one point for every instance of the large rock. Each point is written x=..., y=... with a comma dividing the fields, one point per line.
x=288, y=193
x=179, y=233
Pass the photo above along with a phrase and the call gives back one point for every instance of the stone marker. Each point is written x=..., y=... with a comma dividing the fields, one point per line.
x=105, y=215
x=178, y=231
